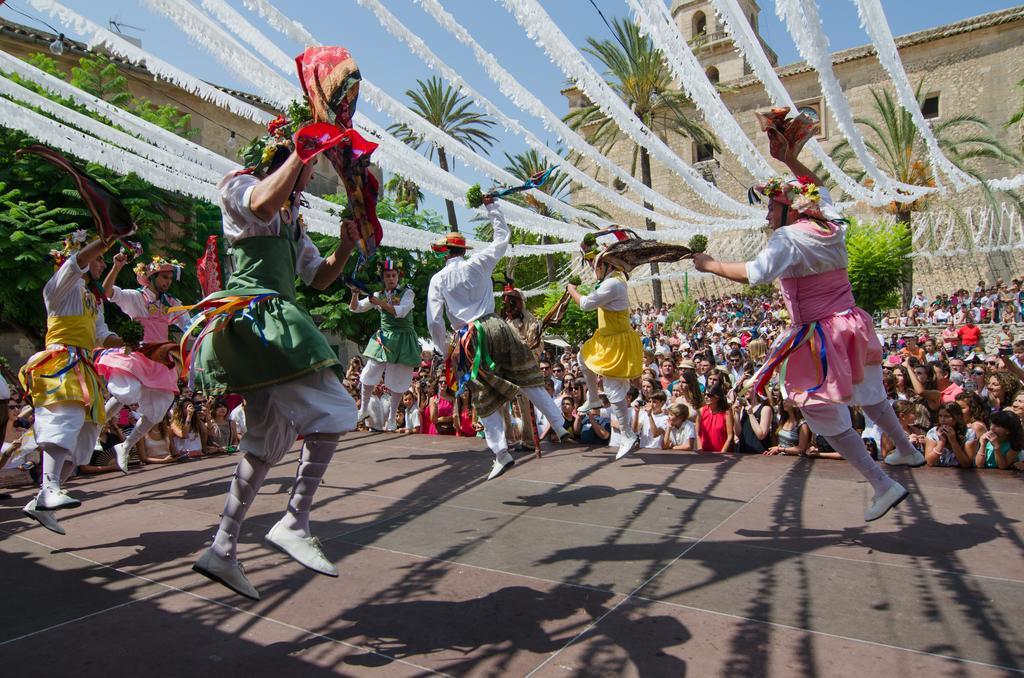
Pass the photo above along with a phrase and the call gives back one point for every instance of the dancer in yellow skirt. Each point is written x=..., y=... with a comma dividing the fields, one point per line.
x=614, y=352
x=66, y=392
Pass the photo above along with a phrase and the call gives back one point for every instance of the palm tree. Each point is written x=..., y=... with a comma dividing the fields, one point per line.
x=528, y=163
x=1018, y=117
x=637, y=73
x=406, y=191
x=901, y=152
x=446, y=109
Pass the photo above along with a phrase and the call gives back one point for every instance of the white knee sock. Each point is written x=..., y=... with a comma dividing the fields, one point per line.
x=144, y=426
x=851, y=446
x=113, y=407
x=54, y=459
x=249, y=476
x=539, y=397
x=494, y=431
x=393, y=400
x=316, y=455
x=621, y=412
x=593, y=390
x=366, y=391
x=883, y=415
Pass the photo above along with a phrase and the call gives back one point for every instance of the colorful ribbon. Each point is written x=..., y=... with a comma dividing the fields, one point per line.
x=809, y=333
x=79, y=362
x=466, y=372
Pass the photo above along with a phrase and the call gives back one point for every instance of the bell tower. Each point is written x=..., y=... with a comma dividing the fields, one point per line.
x=711, y=42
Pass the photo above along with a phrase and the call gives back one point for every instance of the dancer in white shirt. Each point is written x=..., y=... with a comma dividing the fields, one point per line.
x=487, y=354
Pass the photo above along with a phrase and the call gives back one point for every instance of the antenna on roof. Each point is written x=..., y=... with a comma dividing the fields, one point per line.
x=116, y=25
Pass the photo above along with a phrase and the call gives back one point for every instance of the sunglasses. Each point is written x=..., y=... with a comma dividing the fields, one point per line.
x=978, y=373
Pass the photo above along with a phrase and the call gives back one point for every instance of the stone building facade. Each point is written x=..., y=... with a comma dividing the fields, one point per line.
x=969, y=66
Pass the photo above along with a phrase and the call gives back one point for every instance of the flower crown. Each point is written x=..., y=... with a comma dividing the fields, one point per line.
x=144, y=271
x=259, y=153
x=71, y=244
x=800, y=193
x=389, y=264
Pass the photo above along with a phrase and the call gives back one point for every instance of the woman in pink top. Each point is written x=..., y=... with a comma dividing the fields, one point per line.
x=830, y=357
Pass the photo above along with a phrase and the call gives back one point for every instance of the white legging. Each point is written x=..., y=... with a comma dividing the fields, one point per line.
x=397, y=378
x=617, y=391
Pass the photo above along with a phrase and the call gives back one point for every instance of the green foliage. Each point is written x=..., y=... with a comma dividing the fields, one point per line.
x=878, y=254
x=577, y=326
x=102, y=78
x=406, y=191
x=166, y=116
x=684, y=313
x=39, y=205
x=47, y=64
x=698, y=243
x=762, y=290
x=474, y=196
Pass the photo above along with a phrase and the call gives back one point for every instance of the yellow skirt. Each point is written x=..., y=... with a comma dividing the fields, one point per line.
x=619, y=355
x=65, y=374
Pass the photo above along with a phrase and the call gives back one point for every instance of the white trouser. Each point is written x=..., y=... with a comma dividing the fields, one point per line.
x=397, y=377
x=617, y=390
x=153, y=404
x=63, y=427
x=311, y=405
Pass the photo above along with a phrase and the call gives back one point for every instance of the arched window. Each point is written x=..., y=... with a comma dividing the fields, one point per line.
x=700, y=24
x=712, y=74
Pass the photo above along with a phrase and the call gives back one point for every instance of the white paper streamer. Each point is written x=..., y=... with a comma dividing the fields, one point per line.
x=654, y=20
x=97, y=35
x=539, y=26
x=215, y=40
x=383, y=102
x=526, y=101
x=873, y=21
x=804, y=26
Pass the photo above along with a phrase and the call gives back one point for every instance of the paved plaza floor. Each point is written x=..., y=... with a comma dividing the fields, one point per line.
x=663, y=564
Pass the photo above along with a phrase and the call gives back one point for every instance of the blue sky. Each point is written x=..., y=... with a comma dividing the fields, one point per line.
x=389, y=64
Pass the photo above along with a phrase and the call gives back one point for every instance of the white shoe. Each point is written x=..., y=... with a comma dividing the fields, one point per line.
x=590, y=405
x=897, y=458
x=502, y=463
x=44, y=518
x=628, y=445
x=121, y=450
x=885, y=501
x=220, y=570
x=562, y=433
x=304, y=550
x=50, y=499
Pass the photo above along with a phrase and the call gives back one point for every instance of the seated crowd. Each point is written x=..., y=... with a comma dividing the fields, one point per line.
x=959, y=406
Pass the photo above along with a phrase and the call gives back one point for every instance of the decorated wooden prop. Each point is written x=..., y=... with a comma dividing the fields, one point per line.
x=330, y=78
x=475, y=196
x=113, y=221
x=208, y=268
x=630, y=250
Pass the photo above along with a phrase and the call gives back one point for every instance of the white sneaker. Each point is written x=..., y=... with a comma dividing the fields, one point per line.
x=50, y=499
x=562, y=433
x=627, y=446
x=897, y=458
x=44, y=518
x=885, y=501
x=590, y=405
x=304, y=550
x=121, y=450
x=502, y=463
x=222, y=571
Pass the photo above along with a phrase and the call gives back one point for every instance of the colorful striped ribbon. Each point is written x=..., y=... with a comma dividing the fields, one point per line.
x=779, y=359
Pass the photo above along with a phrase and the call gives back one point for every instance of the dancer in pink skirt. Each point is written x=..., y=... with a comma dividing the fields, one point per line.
x=146, y=376
x=830, y=357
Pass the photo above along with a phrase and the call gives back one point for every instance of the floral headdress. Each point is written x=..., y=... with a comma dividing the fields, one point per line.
x=594, y=244
x=71, y=244
x=145, y=271
x=801, y=194
x=390, y=264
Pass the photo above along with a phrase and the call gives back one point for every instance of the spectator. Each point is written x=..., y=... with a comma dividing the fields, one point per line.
x=237, y=417
x=1002, y=388
x=680, y=433
x=189, y=434
x=650, y=420
x=591, y=428
x=1003, y=443
x=945, y=444
x=793, y=433
x=714, y=425
x=970, y=335
x=910, y=415
x=155, y=447
x=412, y=413
x=753, y=424
x=442, y=413
x=221, y=432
